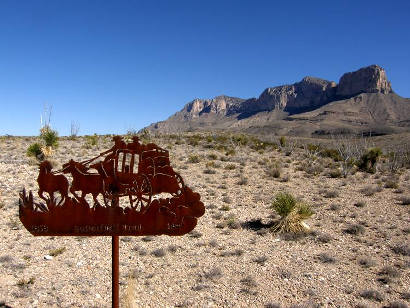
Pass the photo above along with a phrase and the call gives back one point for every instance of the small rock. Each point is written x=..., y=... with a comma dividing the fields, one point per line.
x=48, y=257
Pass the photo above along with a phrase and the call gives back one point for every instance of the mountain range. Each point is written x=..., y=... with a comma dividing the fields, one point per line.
x=363, y=102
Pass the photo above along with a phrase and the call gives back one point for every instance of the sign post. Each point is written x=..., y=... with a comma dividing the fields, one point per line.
x=128, y=178
x=115, y=271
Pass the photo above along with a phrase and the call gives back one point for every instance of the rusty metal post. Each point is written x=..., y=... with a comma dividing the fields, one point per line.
x=115, y=272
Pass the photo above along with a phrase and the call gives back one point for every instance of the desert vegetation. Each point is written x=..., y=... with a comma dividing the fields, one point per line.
x=289, y=222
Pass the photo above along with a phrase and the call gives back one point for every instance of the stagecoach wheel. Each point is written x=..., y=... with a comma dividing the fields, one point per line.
x=181, y=186
x=140, y=193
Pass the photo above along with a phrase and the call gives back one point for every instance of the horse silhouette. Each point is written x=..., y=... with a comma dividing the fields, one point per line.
x=87, y=183
x=51, y=183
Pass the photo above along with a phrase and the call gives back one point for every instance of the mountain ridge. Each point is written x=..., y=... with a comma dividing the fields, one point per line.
x=279, y=106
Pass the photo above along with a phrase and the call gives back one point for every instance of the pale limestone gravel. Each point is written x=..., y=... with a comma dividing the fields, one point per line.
x=206, y=271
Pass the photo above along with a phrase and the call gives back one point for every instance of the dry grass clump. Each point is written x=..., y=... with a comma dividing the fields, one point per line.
x=405, y=200
x=372, y=294
x=402, y=249
x=367, y=262
x=354, y=229
x=391, y=182
x=194, y=159
x=56, y=252
x=292, y=213
x=25, y=283
x=129, y=296
x=370, y=190
x=273, y=170
x=326, y=258
x=329, y=193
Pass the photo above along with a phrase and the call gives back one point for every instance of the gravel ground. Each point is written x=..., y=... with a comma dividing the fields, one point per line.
x=357, y=254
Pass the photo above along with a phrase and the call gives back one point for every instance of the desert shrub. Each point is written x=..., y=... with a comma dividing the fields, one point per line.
x=367, y=262
x=372, y=294
x=230, y=167
x=195, y=234
x=44, y=148
x=335, y=173
x=160, y=252
x=74, y=129
x=397, y=305
x=330, y=193
x=326, y=258
x=285, y=178
x=324, y=237
x=209, y=171
x=212, y=274
x=24, y=283
x=56, y=252
x=389, y=271
x=49, y=136
x=92, y=140
x=313, y=148
x=194, y=140
x=243, y=180
x=370, y=190
x=240, y=140
x=405, y=200
x=331, y=153
x=259, y=145
x=145, y=136
x=292, y=213
x=334, y=207
x=34, y=150
x=232, y=223
x=225, y=208
x=312, y=168
x=272, y=305
x=282, y=141
x=369, y=160
x=212, y=156
x=212, y=164
x=360, y=204
x=391, y=182
x=354, y=229
x=193, y=159
x=273, y=170
x=230, y=152
x=401, y=249
x=260, y=260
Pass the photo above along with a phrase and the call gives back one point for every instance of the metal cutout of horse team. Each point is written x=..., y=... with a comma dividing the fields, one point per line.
x=133, y=172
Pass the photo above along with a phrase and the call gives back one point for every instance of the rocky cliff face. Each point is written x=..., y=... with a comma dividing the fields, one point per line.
x=219, y=105
x=309, y=94
x=371, y=79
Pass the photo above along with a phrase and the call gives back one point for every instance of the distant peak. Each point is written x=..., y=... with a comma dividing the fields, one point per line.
x=315, y=80
x=369, y=79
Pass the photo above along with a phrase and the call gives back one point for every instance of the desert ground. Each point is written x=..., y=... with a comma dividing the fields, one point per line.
x=355, y=254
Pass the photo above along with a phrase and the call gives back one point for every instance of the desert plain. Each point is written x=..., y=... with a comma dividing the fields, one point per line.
x=355, y=253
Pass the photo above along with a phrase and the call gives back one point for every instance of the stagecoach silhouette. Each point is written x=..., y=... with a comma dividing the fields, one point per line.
x=132, y=170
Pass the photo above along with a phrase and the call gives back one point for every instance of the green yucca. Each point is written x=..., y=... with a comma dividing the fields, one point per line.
x=292, y=213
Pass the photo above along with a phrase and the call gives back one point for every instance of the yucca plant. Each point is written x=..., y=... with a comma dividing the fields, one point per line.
x=292, y=212
x=34, y=150
x=49, y=136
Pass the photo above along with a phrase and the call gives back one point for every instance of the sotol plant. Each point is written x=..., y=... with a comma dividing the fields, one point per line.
x=44, y=148
x=293, y=213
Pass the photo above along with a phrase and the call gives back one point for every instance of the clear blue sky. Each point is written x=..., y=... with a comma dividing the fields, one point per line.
x=118, y=65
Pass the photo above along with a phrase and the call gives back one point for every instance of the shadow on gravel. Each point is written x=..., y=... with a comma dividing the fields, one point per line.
x=257, y=224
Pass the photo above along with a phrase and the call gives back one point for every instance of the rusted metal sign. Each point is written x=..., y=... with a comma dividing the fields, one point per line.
x=131, y=190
